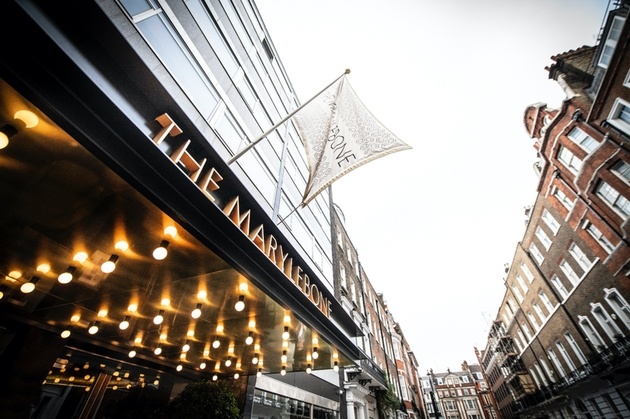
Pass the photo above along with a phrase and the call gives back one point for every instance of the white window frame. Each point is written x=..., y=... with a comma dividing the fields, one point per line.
x=580, y=257
x=556, y=362
x=538, y=256
x=527, y=332
x=619, y=305
x=541, y=374
x=610, y=43
x=591, y=333
x=548, y=370
x=611, y=196
x=599, y=237
x=517, y=293
x=619, y=108
x=576, y=349
x=539, y=312
x=522, y=283
x=527, y=272
x=585, y=141
x=543, y=237
x=565, y=355
x=550, y=220
x=546, y=301
x=569, y=272
x=559, y=285
x=622, y=170
x=606, y=322
x=569, y=160
x=533, y=321
x=563, y=198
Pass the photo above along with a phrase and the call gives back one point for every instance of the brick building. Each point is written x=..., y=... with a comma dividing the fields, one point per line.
x=559, y=345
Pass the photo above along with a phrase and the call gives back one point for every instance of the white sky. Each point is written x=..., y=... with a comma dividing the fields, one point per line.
x=452, y=78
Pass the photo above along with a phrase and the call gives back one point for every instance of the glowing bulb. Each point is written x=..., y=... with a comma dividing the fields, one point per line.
x=13, y=275
x=215, y=377
x=285, y=334
x=259, y=373
x=315, y=354
x=4, y=140
x=94, y=328
x=186, y=347
x=29, y=286
x=124, y=325
x=29, y=119
x=67, y=276
x=159, y=318
x=165, y=301
x=179, y=367
x=216, y=343
x=228, y=362
x=202, y=366
x=308, y=369
x=219, y=328
x=242, y=287
x=336, y=366
x=160, y=252
x=255, y=359
x=43, y=268
x=250, y=339
x=109, y=265
x=284, y=371
x=121, y=245
x=196, y=313
x=102, y=313
x=283, y=358
x=236, y=375
x=75, y=318
x=157, y=350
x=240, y=304
x=80, y=257
x=66, y=333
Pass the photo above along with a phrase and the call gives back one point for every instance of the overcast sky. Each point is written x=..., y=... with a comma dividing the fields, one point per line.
x=435, y=225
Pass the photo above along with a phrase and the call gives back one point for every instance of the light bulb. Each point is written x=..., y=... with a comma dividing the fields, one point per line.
x=236, y=375
x=283, y=358
x=255, y=359
x=29, y=286
x=160, y=252
x=285, y=334
x=284, y=370
x=67, y=276
x=196, y=313
x=240, y=304
x=215, y=377
x=159, y=318
x=336, y=366
x=179, y=367
x=308, y=369
x=4, y=140
x=66, y=333
x=250, y=339
x=186, y=347
x=259, y=373
x=228, y=362
x=202, y=366
x=216, y=343
x=29, y=119
x=315, y=354
x=80, y=257
x=94, y=328
x=109, y=265
x=124, y=324
x=157, y=350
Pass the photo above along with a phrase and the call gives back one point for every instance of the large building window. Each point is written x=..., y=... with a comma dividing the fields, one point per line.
x=599, y=237
x=569, y=272
x=543, y=237
x=613, y=198
x=545, y=299
x=605, y=321
x=550, y=221
x=527, y=272
x=556, y=362
x=582, y=139
x=536, y=254
x=611, y=41
x=576, y=349
x=591, y=333
x=581, y=258
x=557, y=283
x=517, y=293
x=619, y=305
x=622, y=169
x=566, y=157
x=619, y=116
x=563, y=198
